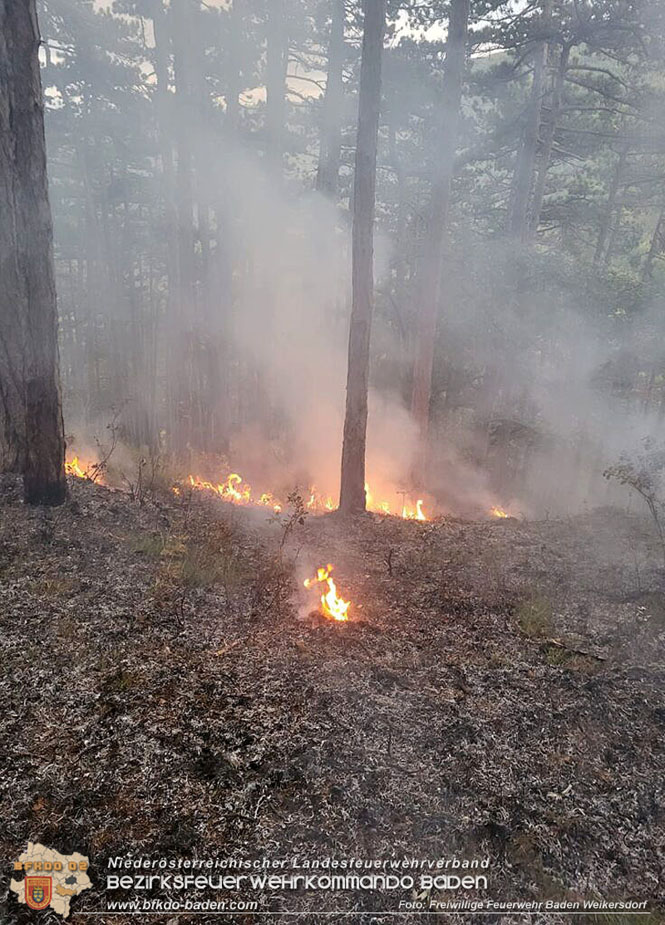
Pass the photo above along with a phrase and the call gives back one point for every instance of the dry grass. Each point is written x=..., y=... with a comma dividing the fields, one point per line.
x=534, y=616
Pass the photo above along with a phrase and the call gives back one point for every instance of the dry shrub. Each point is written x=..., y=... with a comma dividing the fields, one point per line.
x=534, y=615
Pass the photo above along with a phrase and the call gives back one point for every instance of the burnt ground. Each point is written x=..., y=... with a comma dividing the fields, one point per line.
x=498, y=693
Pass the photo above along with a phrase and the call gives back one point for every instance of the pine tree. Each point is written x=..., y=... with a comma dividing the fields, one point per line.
x=28, y=313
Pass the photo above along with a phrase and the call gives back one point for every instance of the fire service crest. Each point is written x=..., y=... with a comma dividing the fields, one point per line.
x=38, y=891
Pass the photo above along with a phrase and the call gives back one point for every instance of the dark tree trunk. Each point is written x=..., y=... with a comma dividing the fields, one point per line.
x=352, y=493
x=430, y=282
x=523, y=179
x=27, y=296
x=12, y=320
x=331, y=123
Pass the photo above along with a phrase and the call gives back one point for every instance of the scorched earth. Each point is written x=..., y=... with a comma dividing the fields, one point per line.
x=497, y=691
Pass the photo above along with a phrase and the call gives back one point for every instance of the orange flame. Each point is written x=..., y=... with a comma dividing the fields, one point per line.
x=383, y=507
x=498, y=512
x=318, y=503
x=237, y=491
x=83, y=470
x=334, y=607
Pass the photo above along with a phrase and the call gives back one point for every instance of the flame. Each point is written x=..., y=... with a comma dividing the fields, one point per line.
x=317, y=503
x=83, y=470
x=236, y=490
x=383, y=506
x=268, y=500
x=334, y=607
x=233, y=489
x=498, y=512
x=73, y=467
x=414, y=514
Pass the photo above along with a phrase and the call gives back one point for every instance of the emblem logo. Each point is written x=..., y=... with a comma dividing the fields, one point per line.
x=38, y=892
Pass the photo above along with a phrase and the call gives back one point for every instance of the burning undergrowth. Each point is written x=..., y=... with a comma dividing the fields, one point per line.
x=384, y=498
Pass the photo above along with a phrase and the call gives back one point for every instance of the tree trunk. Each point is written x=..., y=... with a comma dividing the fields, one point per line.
x=352, y=493
x=26, y=257
x=657, y=246
x=331, y=127
x=606, y=220
x=163, y=109
x=184, y=305
x=430, y=282
x=552, y=110
x=518, y=214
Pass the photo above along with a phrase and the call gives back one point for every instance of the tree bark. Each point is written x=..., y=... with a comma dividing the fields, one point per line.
x=608, y=213
x=552, y=109
x=430, y=282
x=28, y=296
x=518, y=214
x=327, y=175
x=352, y=492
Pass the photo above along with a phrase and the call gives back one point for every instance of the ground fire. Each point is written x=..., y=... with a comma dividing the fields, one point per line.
x=234, y=489
x=332, y=606
x=83, y=470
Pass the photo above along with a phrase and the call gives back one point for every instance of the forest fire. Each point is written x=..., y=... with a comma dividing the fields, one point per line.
x=73, y=467
x=317, y=502
x=332, y=606
x=83, y=470
x=414, y=514
x=236, y=490
x=383, y=507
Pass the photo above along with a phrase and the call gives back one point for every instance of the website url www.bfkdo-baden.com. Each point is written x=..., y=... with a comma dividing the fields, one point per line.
x=136, y=906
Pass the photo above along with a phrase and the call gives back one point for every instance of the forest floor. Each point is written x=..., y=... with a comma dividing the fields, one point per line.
x=499, y=692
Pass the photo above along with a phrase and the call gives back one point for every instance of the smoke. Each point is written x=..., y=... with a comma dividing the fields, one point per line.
x=290, y=324
x=529, y=401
